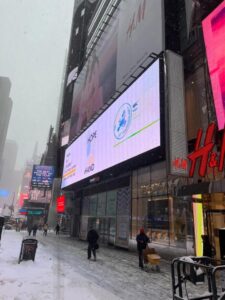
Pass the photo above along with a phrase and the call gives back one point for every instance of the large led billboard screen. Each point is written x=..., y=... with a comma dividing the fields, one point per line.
x=128, y=128
x=214, y=36
x=42, y=176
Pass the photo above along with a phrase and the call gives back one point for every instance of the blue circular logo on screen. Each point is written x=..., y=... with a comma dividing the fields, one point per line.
x=122, y=121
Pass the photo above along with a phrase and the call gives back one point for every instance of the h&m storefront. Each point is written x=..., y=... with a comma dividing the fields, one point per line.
x=208, y=205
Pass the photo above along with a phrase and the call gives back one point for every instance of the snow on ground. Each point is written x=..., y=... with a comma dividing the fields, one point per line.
x=45, y=278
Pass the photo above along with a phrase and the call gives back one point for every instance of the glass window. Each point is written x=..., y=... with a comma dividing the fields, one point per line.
x=158, y=219
x=93, y=205
x=134, y=184
x=134, y=220
x=101, y=204
x=143, y=182
x=181, y=222
x=85, y=206
x=111, y=203
x=142, y=212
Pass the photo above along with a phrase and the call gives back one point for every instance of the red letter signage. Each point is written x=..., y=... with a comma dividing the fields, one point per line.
x=202, y=152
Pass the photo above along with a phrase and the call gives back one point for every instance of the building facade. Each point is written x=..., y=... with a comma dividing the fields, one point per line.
x=5, y=113
x=143, y=89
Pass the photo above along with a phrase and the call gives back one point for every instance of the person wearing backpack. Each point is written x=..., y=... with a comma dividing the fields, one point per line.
x=142, y=241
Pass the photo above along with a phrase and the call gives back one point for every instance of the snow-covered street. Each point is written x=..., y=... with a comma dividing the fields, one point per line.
x=61, y=271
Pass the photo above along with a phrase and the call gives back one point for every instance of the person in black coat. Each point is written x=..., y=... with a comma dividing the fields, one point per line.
x=142, y=241
x=34, y=229
x=92, y=238
x=208, y=249
x=57, y=228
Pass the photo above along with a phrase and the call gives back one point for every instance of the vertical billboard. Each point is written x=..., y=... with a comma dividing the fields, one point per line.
x=129, y=127
x=176, y=119
x=60, y=204
x=214, y=36
x=96, y=82
x=140, y=33
x=42, y=176
x=134, y=31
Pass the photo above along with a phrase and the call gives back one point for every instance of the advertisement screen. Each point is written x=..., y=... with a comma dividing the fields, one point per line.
x=42, y=176
x=214, y=36
x=129, y=127
x=60, y=204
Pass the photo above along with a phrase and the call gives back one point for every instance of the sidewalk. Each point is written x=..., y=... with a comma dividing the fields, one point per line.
x=117, y=270
x=61, y=271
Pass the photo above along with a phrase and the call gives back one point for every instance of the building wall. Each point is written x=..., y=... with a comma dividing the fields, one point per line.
x=155, y=202
x=5, y=112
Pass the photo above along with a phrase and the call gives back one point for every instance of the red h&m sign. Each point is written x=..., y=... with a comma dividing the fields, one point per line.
x=60, y=204
x=205, y=153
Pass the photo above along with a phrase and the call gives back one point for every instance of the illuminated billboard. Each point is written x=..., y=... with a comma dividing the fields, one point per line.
x=42, y=176
x=60, y=204
x=128, y=128
x=214, y=36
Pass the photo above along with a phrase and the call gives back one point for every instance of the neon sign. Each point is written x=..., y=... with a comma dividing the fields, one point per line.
x=60, y=205
x=208, y=157
x=180, y=163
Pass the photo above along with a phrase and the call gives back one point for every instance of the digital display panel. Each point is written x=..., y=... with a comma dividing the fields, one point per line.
x=42, y=176
x=214, y=36
x=128, y=128
x=60, y=204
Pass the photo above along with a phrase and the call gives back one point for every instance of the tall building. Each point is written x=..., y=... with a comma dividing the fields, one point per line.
x=148, y=78
x=5, y=113
x=10, y=179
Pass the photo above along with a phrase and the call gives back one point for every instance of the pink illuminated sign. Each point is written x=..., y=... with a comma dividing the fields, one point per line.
x=214, y=36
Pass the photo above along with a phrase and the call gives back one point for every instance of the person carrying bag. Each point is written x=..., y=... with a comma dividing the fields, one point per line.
x=92, y=238
x=142, y=241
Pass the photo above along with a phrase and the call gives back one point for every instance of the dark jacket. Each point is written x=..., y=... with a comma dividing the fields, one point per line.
x=35, y=227
x=92, y=237
x=208, y=249
x=142, y=241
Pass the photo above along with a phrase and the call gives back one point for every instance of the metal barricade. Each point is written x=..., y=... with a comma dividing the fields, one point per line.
x=198, y=270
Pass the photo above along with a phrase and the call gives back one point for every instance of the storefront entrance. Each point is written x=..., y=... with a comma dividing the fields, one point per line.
x=213, y=222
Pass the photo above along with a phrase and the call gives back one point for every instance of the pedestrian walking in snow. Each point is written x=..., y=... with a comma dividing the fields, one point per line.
x=142, y=241
x=35, y=228
x=92, y=238
x=57, y=228
x=208, y=249
x=45, y=229
x=29, y=229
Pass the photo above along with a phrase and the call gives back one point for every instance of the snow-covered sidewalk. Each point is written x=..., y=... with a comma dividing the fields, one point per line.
x=45, y=278
x=61, y=271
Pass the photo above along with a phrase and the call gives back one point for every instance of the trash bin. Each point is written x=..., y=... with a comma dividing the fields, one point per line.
x=28, y=249
x=1, y=225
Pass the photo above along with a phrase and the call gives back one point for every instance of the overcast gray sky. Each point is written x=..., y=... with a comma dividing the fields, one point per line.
x=34, y=38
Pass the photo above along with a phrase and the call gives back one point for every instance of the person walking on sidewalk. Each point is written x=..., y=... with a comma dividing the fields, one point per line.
x=29, y=229
x=92, y=238
x=34, y=229
x=57, y=228
x=142, y=241
x=45, y=229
